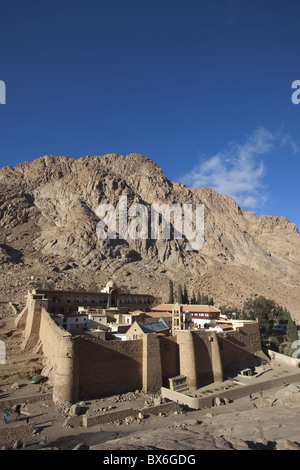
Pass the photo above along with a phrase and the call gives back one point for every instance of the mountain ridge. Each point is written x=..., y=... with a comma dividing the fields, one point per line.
x=48, y=232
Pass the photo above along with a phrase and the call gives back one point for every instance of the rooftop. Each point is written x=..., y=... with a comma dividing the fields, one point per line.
x=157, y=314
x=192, y=308
x=155, y=327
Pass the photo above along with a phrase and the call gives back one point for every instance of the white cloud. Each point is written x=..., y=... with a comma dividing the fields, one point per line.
x=239, y=171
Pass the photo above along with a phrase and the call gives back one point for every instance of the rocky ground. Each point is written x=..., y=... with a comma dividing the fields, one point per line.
x=270, y=422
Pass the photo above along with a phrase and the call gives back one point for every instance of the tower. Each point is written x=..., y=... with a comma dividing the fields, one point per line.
x=176, y=319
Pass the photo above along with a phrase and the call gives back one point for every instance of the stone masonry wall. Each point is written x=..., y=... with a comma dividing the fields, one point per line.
x=195, y=357
x=238, y=348
x=205, y=356
x=169, y=354
x=152, y=375
x=51, y=335
x=108, y=367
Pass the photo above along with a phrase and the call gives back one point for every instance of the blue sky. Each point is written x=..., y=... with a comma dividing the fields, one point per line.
x=202, y=87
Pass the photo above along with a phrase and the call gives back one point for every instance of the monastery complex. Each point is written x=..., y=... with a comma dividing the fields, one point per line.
x=97, y=344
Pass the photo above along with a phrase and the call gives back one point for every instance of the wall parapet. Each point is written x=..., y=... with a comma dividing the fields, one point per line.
x=10, y=402
x=283, y=359
x=240, y=391
x=88, y=421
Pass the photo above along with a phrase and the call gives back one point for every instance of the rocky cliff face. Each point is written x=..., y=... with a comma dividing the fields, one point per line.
x=48, y=232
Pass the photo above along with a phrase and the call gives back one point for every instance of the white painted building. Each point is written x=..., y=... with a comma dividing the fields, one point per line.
x=72, y=322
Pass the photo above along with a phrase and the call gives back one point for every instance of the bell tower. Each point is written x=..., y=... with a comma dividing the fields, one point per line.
x=176, y=319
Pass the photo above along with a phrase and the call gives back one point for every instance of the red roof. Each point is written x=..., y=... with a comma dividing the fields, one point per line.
x=158, y=314
x=187, y=308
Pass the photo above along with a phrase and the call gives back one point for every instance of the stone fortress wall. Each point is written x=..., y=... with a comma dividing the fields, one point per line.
x=86, y=367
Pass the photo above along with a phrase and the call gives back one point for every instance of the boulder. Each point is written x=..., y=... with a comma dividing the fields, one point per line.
x=81, y=446
x=219, y=401
x=18, y=444
x=286, y=444
x=77, y=410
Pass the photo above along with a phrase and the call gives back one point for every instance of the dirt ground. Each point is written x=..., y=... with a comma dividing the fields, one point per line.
x=212, y=429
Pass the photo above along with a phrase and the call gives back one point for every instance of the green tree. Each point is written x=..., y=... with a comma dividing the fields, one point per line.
x=231, y=311
x=283, y=314
x=274, y=341
x=49, y=285
x=180, y=296
x=185, y=297
x=93, y=287
x=291, y=330
x=199, y=298
x=268, y=314
x=124, y=289
x=171, y=292
x=262, y=309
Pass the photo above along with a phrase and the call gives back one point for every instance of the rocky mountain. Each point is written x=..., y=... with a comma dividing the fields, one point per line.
x=48, y=220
